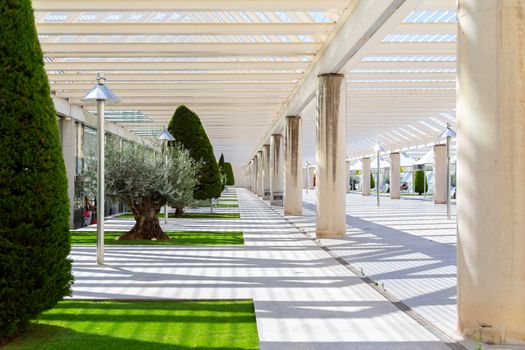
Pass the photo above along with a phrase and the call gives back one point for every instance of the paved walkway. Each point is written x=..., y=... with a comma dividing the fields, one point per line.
x=407, y=246
x=304, y=298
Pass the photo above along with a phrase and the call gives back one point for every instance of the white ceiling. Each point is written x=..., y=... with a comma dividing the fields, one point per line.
x=237, y=63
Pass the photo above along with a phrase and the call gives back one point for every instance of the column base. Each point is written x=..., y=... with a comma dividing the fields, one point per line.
x=266, y=195
x=293, y=212
x=395, y=197
x=276, y=199
x=440, y=201
x=320, y=234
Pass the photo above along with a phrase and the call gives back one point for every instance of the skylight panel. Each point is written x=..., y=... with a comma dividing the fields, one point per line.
x=432, y=17
x=448, y=116
x=88, y=17
x=404, y=70
x=319, y=17
x=419, y=38
x=114, y=17
x=57, y=16
x=159, y=17
x=262, y=17
x=428, y=58
x=428, y=125
x=283, y=17
x=245, y=17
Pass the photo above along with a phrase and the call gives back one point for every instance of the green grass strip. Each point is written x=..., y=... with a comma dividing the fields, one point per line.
x=192, y=216
x=145, y=325
x=187, y=238
x=221, y=205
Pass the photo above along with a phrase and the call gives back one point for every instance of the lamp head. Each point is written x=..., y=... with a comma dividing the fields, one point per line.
x=166, y=136
x=100, y=92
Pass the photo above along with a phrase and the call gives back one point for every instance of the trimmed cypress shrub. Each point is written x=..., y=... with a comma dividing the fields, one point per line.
x=420, y=182
x=34, y=222
x=221, y=169
x=228, y=171
x=372, y=181
x=187, y=129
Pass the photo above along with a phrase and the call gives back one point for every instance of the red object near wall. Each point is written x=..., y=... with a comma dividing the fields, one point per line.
x=315, y=178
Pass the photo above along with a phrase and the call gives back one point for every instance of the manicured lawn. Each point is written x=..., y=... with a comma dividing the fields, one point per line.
x=222, y=204
x=204, y=238
x=193, y=216
x=144, y=325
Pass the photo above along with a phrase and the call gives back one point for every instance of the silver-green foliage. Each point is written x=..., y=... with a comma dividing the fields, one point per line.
x=139, y=175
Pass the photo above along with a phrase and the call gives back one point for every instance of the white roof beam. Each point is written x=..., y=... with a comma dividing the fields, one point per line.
x=185, y=94
x=173, y=77
x=360, y=29
x=186, y=5
x=131, y=28
x=166, y=66
x=184, y=86
x=177, y=49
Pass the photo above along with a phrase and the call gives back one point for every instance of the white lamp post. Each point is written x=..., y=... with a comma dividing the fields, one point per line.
x=165, y=137
x=307, y=175
x=101, y=94
x=449, y=134
x=378, y=149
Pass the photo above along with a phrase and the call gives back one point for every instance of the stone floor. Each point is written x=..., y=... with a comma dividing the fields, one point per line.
x=407, y=247
x=304, y=298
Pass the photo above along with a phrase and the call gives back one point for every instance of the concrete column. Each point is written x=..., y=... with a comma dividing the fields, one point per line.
x=365, y=186
x=347, y=176
x=395, y=175
x=491, y=168
x=260, y=179
x=255, y=174
x=276, y=170
x=440, y=174
x=330, y=156
x=266, y=172
x=69, y=147
x=293, y=175
x=250, y=175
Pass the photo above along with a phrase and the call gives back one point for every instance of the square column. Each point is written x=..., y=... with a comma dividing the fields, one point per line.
x=266, y=171
x=490, y=169
x=330, y=156
x=260, y=183
x=365, y=186
x=395, y=175
x=440, y=174
x=293, y=175
x=276, y=170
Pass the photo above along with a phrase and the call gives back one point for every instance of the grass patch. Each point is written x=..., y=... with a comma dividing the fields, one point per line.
x=224, y=204
x=145, y=325
x=186, y=238
x=192, y=216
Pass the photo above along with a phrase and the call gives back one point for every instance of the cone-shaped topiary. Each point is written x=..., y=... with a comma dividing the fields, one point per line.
x=221, y=169
x=186, y=128
x=420, y=182
x=372, y=181
x=34, y=222
x=230, y=177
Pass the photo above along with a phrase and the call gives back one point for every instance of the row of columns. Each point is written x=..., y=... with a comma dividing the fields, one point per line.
x=440, y=173
x=491, y=164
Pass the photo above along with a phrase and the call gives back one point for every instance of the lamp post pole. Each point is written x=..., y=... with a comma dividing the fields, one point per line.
x=378, y=148
x=165, y=137
x=100, y=181
x=100, y=94
x=449, y=134
x=448, y=177
x=307, y=175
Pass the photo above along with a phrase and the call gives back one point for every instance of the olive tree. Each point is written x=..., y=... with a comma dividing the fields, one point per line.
x=146, y=180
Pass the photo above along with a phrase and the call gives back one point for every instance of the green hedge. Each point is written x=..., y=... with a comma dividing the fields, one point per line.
x=34, y=222
x=187, y=129
x=230, y=177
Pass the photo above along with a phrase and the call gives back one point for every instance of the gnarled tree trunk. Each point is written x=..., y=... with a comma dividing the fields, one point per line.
x=179, y=212
x=147, y=225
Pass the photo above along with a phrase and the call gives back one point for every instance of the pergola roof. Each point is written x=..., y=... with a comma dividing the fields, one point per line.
x=238, y=64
